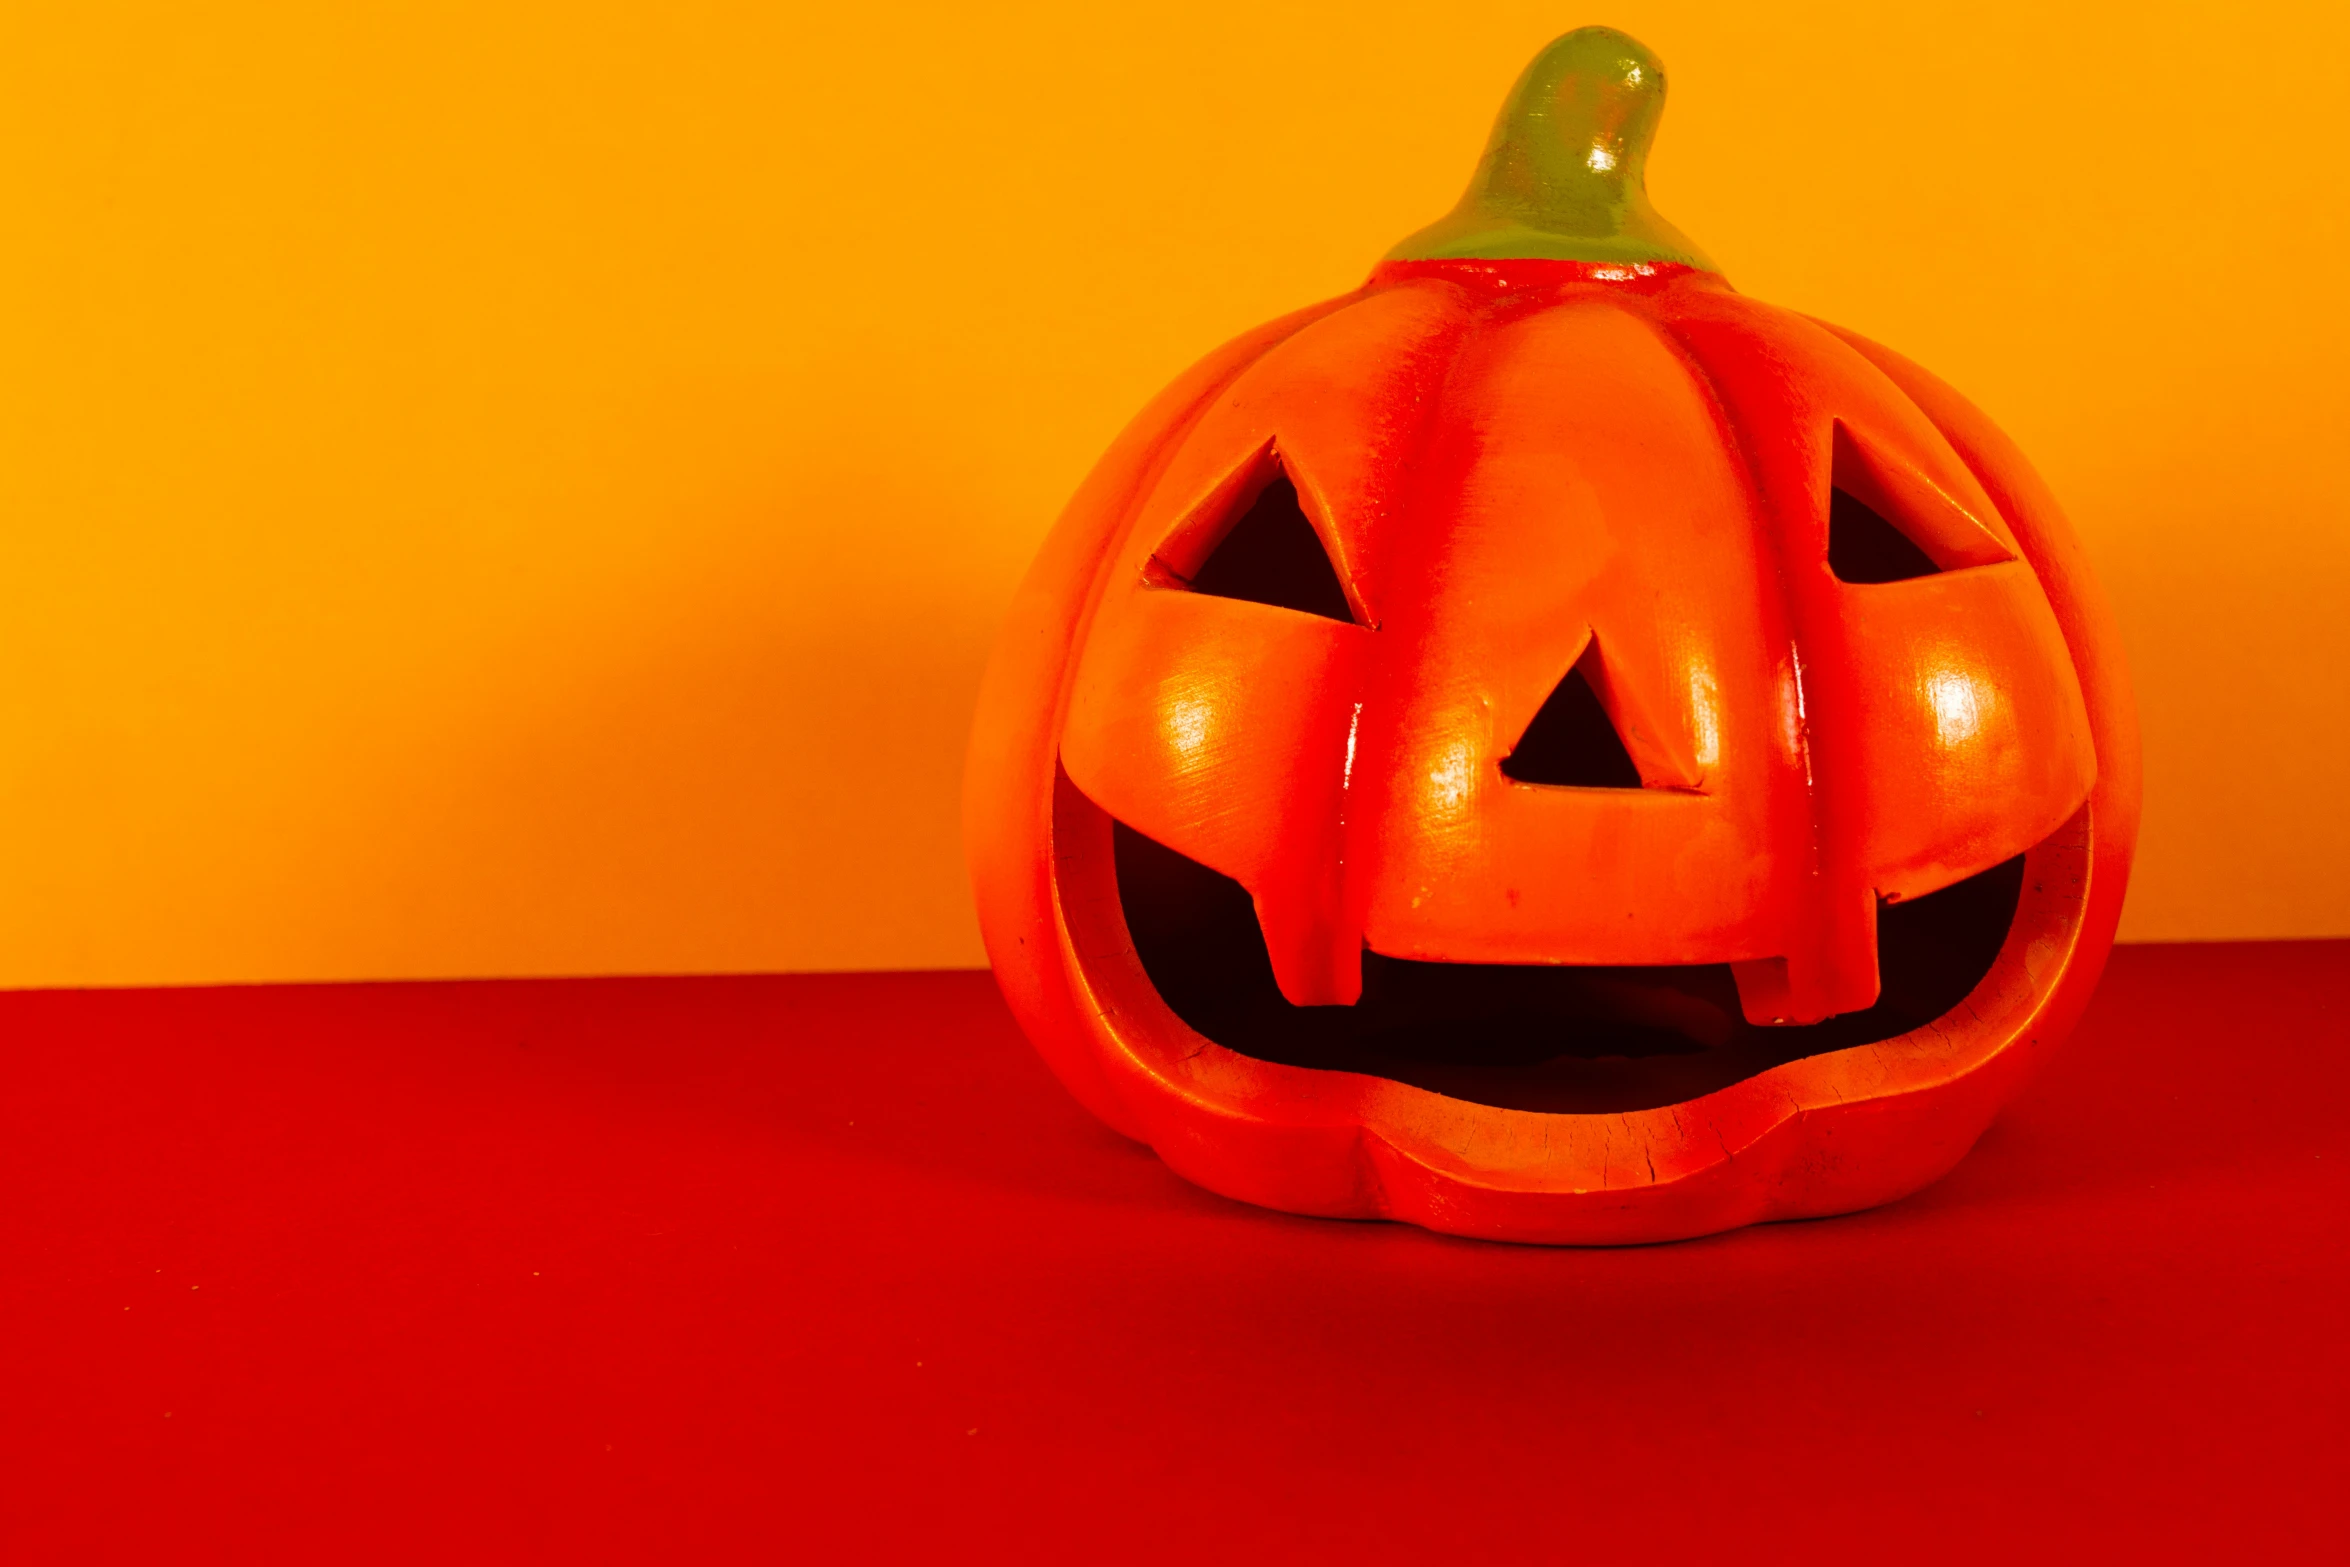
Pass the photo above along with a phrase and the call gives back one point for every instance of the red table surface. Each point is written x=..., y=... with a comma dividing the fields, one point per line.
x=828, y=1265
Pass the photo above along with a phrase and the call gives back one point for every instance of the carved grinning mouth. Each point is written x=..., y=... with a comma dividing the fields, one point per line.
x=1557, y=1038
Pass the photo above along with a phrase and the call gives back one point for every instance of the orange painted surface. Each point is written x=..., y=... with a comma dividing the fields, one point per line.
x=527, y=489
x=1506, y=465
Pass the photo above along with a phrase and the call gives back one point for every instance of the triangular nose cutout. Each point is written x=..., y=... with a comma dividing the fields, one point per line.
x=1572, y=741
x=1864, y=547
x=1273, y=556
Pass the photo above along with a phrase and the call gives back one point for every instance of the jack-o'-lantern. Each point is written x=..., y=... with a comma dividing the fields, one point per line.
x=1548, y=748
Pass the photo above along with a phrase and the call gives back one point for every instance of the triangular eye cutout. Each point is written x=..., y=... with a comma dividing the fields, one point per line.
x=1864, y=547
x=1889, y=522
x=1572, y=741
x=1273, y=556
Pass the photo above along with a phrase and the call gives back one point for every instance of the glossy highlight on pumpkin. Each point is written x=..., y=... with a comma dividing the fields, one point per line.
x=1600, y=662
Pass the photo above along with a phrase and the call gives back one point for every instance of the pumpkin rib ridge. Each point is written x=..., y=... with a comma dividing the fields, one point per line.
x=1789, y=620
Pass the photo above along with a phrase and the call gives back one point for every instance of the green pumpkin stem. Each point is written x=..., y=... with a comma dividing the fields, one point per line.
x=1565, y=173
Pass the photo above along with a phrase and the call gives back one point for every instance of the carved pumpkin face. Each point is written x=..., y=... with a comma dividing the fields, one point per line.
x=1549, y=748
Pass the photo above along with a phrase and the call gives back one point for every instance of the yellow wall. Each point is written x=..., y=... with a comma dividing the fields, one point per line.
x=526, y=488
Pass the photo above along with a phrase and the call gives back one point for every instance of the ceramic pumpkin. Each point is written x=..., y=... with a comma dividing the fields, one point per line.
x=1548, y=748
